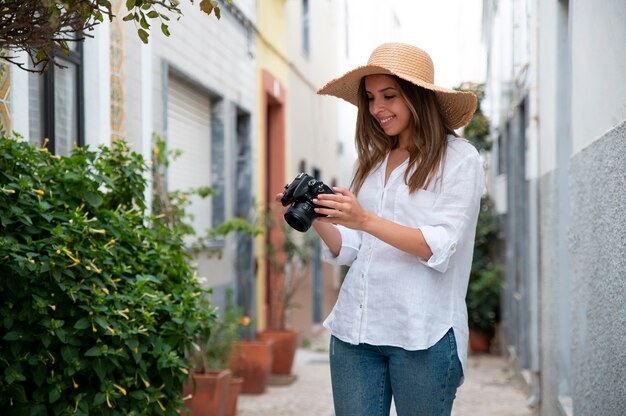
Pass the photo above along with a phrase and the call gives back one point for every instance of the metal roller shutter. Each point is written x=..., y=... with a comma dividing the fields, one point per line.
x=189, y=130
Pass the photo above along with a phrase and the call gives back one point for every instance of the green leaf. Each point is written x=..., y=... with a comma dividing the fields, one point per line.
x=39, y=374
x=143, y=22
x=7, y=322
x=98, y=367
x=82, y=323
x=54, y=395
x=153, y=14
x=101, y=322
x=69, y=354
x=12, y=336
x=99, y=399
x=128, y=17
x=94, y=351
x=14, y=373
x=46, y=339
x=93, y=199
x=130, y=4
x=164, y=29
x=143, y=35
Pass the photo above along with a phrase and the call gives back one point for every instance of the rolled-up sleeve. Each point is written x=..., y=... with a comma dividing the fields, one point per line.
x=456, y=209
x=350, y=244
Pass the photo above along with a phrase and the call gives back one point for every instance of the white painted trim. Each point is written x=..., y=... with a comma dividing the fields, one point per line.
x=97, y=86
x=146, y=117
x=19, y=98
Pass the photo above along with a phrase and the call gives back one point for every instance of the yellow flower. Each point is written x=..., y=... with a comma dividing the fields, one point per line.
x=120, y=388
x=111, y=330
x=245, y=321
x=146, y=382
x=75, y=384
x=53, y=307
x=105, y=290
x=160, y=405
x=38, y=191
x=69, y=254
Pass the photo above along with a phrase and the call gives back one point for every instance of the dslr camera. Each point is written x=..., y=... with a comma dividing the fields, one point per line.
x=300, y=194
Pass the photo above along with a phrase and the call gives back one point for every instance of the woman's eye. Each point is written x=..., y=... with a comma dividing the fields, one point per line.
x=389, y=97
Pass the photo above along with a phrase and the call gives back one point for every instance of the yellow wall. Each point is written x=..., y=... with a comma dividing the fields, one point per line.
x=271, y=55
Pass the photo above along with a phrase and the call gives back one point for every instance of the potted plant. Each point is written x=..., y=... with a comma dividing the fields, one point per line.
x=485, y=287
x=221, y=344
x=206, y=390
x=290, y=260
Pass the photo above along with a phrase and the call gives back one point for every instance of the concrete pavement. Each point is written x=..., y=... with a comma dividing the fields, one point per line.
x=490, y=389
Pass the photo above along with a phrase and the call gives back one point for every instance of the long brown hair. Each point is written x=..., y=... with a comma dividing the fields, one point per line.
x=427, y=147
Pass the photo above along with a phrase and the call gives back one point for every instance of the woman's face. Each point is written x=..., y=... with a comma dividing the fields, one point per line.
x=387, y=106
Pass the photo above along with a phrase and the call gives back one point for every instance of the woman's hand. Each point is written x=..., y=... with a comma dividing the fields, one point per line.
x=341, y=208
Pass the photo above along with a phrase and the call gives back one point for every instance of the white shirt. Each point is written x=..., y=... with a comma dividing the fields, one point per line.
x=390, y=297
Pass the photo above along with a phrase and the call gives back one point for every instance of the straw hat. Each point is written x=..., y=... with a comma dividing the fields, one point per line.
x=413, y=65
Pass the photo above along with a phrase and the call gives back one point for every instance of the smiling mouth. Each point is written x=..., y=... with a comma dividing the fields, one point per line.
x=384, y=122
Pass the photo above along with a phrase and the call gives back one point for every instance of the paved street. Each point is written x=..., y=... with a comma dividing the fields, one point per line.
x=490, y=389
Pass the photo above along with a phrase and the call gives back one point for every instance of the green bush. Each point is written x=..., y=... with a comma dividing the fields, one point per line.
x=98, y=301
x=485, y=283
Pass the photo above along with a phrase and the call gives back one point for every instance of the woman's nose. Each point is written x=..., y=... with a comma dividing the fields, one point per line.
x=376, y=106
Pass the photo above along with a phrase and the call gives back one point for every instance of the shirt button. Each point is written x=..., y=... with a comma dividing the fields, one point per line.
x=361, y=306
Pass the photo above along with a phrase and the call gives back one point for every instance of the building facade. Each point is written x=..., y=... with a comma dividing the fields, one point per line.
x=556, y=99
x=196, y=90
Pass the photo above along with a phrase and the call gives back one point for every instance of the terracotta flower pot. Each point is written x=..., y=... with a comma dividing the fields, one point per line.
x=479, y=341
x=210, y=395
x=284, y=349
x=252, y=360
x=233, y=395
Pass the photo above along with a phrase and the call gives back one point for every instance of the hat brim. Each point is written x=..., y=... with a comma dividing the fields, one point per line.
x=457, y=107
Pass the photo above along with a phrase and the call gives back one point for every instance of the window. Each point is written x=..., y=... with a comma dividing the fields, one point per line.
x=305, y=28
x=56, y=103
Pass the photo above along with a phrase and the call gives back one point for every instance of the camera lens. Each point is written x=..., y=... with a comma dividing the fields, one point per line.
x=300, y=216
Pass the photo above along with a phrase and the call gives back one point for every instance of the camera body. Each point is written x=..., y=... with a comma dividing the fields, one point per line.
x=300, y=194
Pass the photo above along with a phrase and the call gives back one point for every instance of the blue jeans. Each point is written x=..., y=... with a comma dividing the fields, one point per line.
x=365, y=377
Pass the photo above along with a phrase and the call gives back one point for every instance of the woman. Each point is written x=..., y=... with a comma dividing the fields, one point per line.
x=406, y=227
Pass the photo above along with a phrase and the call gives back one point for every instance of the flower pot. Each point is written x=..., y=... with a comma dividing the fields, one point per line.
x=284, y=349
x=233, y=395
x=479, y=341
x=252, y=360
x=210, y=395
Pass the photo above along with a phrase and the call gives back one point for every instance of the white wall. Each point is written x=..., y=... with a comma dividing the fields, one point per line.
x=19, y=98
x=97, y=73
x=599, y=69
x=216, y=57
x=313, y=133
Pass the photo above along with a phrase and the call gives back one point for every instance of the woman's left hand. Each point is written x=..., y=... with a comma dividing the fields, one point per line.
x=341, y=208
